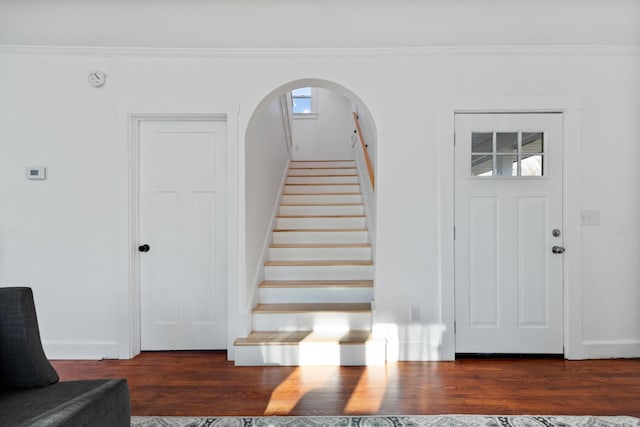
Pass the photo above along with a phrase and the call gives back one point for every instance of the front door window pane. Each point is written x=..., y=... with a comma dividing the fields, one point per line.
x=531, y=165
x=532, y=142
x=482, y=165
x=506, y=165
x=507, y=154
x=507, y=142
x=482, y=142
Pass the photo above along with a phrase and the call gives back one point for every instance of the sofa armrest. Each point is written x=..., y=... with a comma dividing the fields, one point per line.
x=99, y=403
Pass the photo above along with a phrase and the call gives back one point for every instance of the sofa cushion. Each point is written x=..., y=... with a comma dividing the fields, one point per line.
x=96, y=403
x=23, y=363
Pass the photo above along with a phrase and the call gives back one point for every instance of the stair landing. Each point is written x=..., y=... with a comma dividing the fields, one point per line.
x=310, y=348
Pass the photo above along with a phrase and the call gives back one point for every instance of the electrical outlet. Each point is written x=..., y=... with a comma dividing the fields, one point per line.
x=415, y=314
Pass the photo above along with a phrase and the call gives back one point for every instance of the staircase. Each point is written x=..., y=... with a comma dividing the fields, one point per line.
x=315, y=302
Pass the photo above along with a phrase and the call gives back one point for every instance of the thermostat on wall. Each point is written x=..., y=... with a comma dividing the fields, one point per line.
x=36, y=172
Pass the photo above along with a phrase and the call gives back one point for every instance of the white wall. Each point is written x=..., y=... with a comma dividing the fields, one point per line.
x=327, y=24
x=267, y=156
x=67, y=236
x=325, y=135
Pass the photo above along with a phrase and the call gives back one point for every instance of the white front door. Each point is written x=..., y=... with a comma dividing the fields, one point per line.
x=508, y=219
x=182, y=220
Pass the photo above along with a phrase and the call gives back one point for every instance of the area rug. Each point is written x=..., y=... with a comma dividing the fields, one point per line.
x=390, y=421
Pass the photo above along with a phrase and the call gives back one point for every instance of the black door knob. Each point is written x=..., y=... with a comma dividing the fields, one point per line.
x=144, y=248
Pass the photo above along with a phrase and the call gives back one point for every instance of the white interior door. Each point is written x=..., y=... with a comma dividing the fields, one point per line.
x=508, y=219
x=182, y=220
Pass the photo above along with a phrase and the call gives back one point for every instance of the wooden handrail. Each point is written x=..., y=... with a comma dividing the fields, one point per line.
x=364, y=150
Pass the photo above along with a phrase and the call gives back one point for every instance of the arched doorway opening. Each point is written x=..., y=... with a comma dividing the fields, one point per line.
x=315, y=229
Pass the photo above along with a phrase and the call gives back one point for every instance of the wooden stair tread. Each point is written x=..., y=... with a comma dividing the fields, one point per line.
x=361, y=307
x=322, y=194
x=315, y=230
x=321, y=204
x=317, y=284
x=322, y=167
x=320, y=216
x=333, y=175
x=297, y=337
x=326, y=184
x=318, y=245
x=331, y=263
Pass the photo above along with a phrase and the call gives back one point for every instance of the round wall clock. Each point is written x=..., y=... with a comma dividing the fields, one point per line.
x=97, y=78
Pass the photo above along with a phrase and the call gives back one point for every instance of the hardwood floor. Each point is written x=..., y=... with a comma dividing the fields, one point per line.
x=205, y=383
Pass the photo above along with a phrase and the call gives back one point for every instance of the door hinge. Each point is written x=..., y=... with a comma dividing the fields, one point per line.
x=454, y=233
x=454, y=327
x=454, y=139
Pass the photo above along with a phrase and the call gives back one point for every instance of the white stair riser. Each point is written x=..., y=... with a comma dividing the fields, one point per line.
x=315, y=295
x=322, y=164
x=333, y=272
x=321, y=189
x=314, y=172
x=320, y=199
x=319, y=254
x=321, y=210
x=372, y=353
x=318, y=195
x=317, y=223
x=284, y=237
x=322, y=180
x=310, y=321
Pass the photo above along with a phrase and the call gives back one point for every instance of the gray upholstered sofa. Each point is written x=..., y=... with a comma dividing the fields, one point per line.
x=30, y=391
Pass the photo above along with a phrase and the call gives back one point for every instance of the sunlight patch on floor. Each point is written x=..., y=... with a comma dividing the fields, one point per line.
x=369, y=392
x=290, y=392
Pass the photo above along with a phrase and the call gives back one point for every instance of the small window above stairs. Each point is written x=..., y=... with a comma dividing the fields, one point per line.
x=316, y=301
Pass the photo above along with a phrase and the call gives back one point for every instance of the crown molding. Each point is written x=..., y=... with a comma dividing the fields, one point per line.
x=365, y=52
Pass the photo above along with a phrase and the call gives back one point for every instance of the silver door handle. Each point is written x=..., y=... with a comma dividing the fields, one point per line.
x=558, y=250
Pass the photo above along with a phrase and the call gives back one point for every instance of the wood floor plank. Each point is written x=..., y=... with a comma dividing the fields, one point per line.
x=202, y=383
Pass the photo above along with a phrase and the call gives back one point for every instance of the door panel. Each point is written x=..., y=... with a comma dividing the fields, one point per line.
x=532, y=283
x=182, y=218
x=483, y=244
x=508, y=199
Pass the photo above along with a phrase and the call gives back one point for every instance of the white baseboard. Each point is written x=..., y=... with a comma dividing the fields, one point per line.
x=420, y=352
x=81, y=350
x=611, y=349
